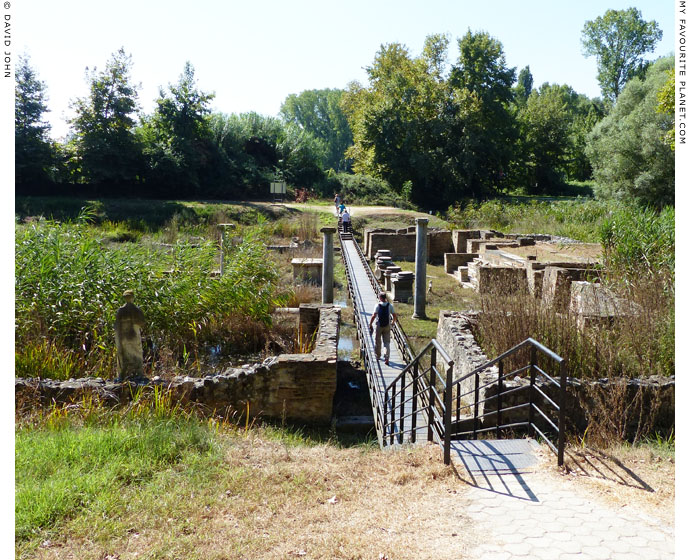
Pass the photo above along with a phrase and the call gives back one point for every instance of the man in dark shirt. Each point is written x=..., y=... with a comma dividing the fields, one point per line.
x=386, y=316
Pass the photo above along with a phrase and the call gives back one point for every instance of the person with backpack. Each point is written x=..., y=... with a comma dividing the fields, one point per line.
x=386, y=316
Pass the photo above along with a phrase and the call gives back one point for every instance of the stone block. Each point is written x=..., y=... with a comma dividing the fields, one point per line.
x=307, y=270
x=451, y=261
x=460, y=237
x=403, y=287
x=501, y=279
x=594, y=305
x=556, y=284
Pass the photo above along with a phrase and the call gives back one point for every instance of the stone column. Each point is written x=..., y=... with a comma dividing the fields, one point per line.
x=327, y=274
x=420, y=270
x=223, y=230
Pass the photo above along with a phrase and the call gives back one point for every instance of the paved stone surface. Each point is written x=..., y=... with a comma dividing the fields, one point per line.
x=527, y=516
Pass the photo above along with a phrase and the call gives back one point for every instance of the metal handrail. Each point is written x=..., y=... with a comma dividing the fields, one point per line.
x=557, y=403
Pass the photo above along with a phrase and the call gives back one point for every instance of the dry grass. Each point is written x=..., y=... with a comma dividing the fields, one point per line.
x=274, y=500
x=551, y=252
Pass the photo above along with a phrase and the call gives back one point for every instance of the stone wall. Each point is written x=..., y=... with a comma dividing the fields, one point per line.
x=454, y=333
x=557, y=280
x=403, y=243
x=297, y=387
x=451, y=261
x=401, y=246
x=500, y=279
x=460, y=237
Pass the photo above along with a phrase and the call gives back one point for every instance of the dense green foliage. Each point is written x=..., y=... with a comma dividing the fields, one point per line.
x=640, y=241
x=105, y=146
x=619, y=39
x=318, y=112
x=33, y=153
x=70, y=279
x=576, y=219
x=427, y=132
x=630, y=155
x=424, y=130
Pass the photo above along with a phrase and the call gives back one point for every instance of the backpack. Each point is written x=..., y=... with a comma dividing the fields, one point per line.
x=383, y=312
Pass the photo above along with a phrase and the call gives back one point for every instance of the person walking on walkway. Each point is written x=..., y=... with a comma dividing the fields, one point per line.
x=345, y=216
x=386, y=316
x=337, y=201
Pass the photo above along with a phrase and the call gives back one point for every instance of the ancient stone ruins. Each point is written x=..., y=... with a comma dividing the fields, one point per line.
x=301, y=387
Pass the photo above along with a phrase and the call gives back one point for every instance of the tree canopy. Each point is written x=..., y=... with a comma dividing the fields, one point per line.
x=318, y=112
x=619, y=39
x=106, y=147
x=630, y=156
x=33, y=154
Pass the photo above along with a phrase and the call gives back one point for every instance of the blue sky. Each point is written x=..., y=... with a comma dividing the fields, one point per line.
x=254, y=54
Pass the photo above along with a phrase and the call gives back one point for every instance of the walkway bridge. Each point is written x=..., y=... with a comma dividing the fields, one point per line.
x=416, y=398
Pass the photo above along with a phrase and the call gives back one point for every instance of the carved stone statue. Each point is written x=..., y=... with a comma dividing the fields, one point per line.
x=128, y=323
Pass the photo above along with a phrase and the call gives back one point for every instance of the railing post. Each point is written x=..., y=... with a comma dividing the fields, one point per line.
x=392, y=422
x=415, y=391
x=385, y=416
x=532, y=381
x=447, y=419
x=499, y=416
x=476, y=406
x=432, y=399
x=561, y=414
x=402, y=409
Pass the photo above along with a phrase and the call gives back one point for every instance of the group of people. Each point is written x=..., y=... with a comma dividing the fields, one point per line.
x=384, y=314
x=343, y=212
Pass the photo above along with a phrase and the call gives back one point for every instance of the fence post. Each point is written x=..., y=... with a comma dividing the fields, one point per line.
x=392, y=422
x=499, y=416
x=532, y=380
x=561, y=414
x=447, y=419
x=432, y=399
x=476, y=406
x=401, y=430
x=415, y=390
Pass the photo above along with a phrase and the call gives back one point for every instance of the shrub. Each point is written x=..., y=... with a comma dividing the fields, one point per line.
x=639, y=240
x=363, y=189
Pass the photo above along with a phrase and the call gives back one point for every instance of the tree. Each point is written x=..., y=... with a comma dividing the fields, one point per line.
x=33, y=153
x=106, y=147
x=177, y=136
x=630, y=157
x=619, y=39
x=435, y=138
x=487, y=139
x=523, y=88
x=396, y=121
x=318, y=112
x=544, y=124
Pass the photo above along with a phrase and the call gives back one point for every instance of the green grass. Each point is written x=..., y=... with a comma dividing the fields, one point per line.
x=577, y=219
x=89, y=475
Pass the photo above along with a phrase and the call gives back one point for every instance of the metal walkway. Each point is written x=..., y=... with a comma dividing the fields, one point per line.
x=364, y=296
x=416, y=398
